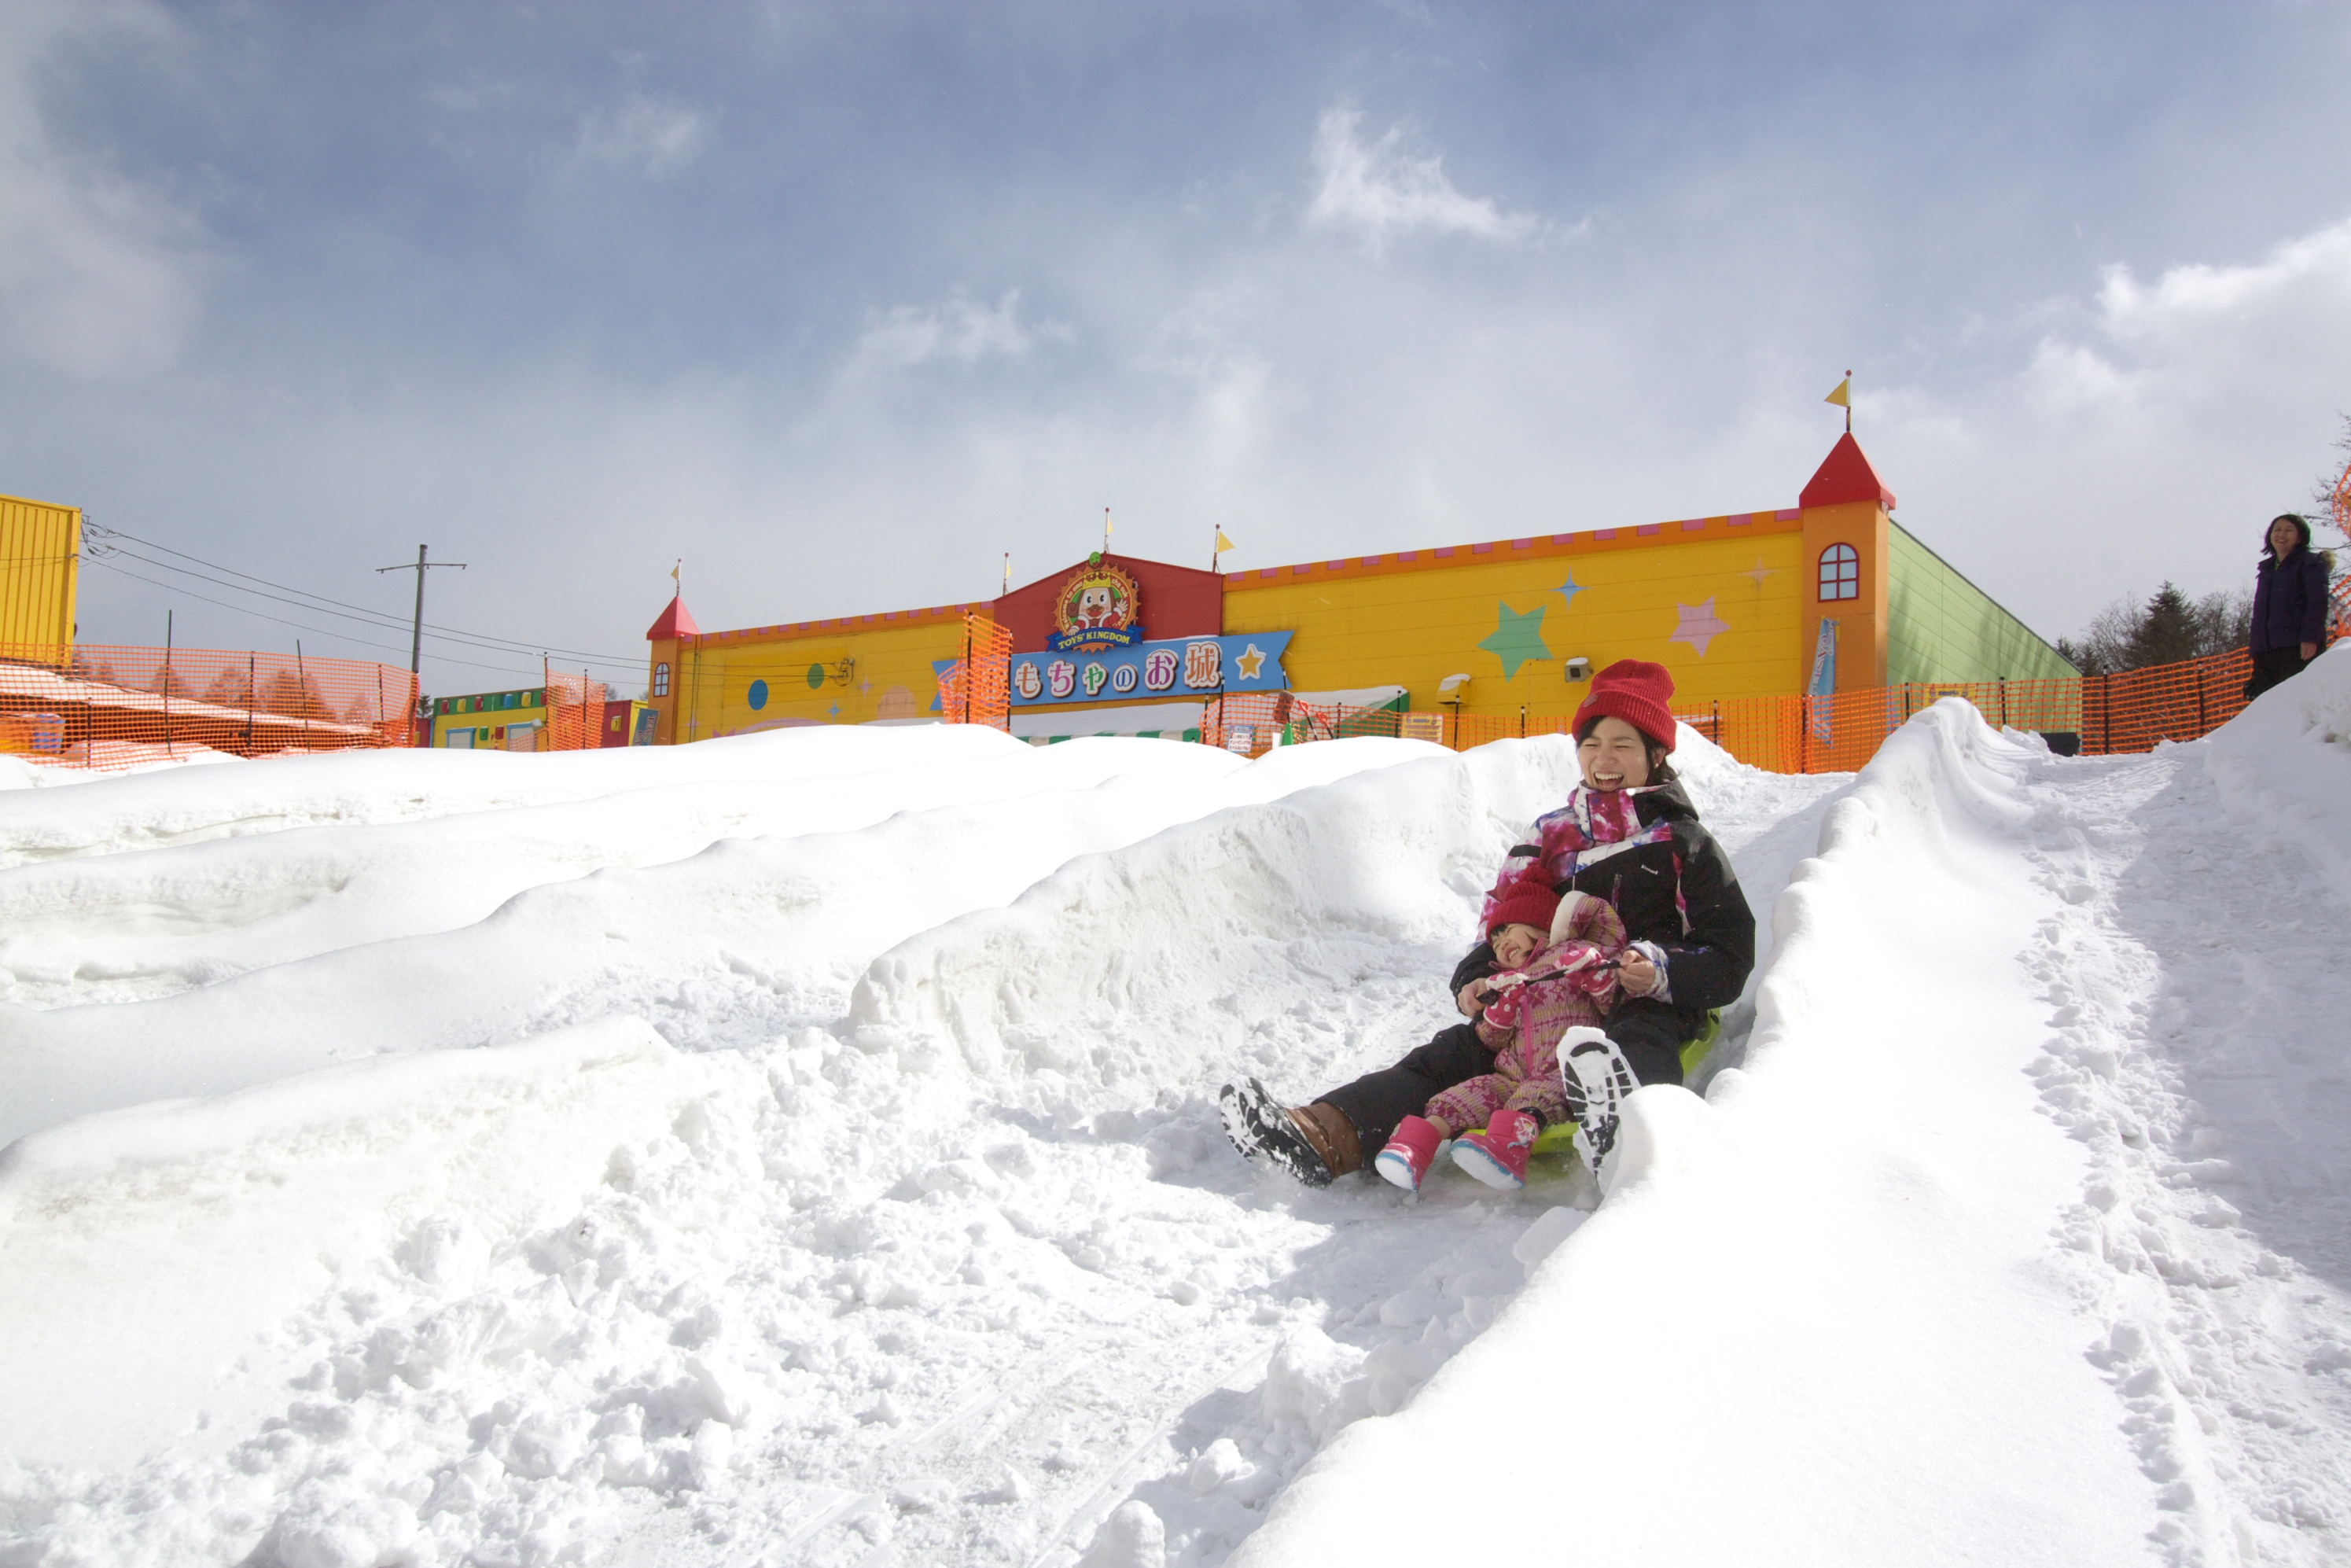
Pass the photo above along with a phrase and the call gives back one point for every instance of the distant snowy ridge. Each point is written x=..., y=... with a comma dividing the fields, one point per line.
x=456, y=933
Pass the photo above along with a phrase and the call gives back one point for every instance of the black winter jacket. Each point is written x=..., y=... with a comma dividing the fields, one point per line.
x=1707, y=959
x=2289, y=601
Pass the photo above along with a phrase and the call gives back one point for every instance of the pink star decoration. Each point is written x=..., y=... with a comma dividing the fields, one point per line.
x=1698, y=625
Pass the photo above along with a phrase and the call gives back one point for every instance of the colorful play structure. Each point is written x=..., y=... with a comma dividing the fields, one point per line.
x=569, y=713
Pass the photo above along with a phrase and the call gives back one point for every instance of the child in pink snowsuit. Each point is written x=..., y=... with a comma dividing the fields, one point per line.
x=1559, y=973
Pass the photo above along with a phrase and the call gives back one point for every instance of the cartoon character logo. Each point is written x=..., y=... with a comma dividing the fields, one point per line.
x=1100, y=608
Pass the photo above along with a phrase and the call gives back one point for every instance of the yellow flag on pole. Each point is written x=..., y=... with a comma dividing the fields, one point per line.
x=1223, y=543
x=1842, y=396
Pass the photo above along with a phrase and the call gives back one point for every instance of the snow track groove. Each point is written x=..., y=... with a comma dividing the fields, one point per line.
x=2199, y=980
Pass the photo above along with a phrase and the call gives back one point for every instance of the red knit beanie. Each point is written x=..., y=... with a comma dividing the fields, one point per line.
x=1529, y=903
x=1636, y=692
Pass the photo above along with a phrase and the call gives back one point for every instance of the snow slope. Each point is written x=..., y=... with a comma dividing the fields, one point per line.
x=2048, y=1090
x=610, y=1225
x=800, y=1149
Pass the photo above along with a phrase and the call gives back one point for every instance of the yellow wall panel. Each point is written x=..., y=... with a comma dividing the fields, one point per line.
x=891, y=677
x=40, y=546
x=1413, y=628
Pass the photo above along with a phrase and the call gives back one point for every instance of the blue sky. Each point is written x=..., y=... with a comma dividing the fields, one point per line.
x=839, y=303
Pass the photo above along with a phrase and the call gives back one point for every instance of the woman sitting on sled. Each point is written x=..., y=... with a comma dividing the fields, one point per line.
x=1627, y=837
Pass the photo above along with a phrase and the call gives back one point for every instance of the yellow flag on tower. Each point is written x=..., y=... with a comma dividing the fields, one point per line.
x=1223, y=543
x=1842, y=396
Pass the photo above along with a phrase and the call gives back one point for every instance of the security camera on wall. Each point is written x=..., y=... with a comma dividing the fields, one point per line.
x=1578, y=669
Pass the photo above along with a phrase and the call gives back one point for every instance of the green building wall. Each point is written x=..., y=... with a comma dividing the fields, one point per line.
x=1941, y=627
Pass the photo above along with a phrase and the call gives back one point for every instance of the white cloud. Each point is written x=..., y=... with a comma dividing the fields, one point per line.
x=99, y=276
x=646, y=135
x=2186, y=297
x=2142, y=431
x=2141, y=349
x=2064, y=377
x=1380, y=193
x=960, y=330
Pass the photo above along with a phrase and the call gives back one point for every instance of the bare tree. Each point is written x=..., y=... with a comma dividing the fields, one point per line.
x=2164, y=629
x=2322, y=497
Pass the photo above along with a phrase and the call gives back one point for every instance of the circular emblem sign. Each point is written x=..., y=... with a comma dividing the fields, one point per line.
x=1099, y=609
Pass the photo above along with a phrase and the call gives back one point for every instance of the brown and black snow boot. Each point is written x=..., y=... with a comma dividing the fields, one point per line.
x=1313, y=1142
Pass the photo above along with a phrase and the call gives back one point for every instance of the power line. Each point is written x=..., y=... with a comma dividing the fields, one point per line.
x=365, y=619
x=298, y=625
x=369, y=617
x=105, y=560
x=353, y=612
x=477, y=638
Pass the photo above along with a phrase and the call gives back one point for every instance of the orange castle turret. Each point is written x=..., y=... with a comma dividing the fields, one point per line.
x=1846, y=504
x=672, y=633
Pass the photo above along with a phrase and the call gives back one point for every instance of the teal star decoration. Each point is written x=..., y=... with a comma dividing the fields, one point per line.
x=835, y=711
x=1517, y=639
x=1571, y=588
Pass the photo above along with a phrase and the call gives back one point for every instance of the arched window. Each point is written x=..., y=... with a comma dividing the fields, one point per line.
x=1840, y=572
x=661, y=680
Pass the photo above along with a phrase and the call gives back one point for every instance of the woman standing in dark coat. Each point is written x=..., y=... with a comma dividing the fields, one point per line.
x=1629, y=836
x=2289, y=605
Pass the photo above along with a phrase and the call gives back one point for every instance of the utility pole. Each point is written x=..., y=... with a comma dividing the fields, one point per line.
x=416, y=633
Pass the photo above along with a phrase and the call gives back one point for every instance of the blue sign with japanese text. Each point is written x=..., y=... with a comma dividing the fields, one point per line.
x=1189, y=666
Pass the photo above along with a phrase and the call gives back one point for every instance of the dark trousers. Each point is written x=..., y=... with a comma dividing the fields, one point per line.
x=1377, y=1101
x=2272, y=666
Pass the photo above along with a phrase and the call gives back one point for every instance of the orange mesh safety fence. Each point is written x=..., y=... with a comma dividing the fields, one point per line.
x=2134, y=710
x=1840, y=732
x=977, y=687
x=108, y=706
x=575, y=712
x=2098, y=715
x=1253, y=722
x=1465, y=730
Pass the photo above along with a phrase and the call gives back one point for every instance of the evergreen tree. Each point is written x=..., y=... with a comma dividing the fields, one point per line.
x=2165, y=633
x=2169, y=627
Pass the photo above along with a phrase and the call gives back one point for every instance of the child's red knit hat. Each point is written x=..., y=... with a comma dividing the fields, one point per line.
x=1529, y=903
x=1637, y=692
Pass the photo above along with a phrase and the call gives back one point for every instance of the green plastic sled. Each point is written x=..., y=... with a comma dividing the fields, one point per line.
x=1562, y=1138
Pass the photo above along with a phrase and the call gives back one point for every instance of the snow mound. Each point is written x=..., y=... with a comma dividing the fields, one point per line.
x=801, y=1145
x=801, y=1149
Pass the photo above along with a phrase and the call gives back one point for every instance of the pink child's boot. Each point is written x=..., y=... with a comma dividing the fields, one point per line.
x=1410, y=1151
x=1498, y=1156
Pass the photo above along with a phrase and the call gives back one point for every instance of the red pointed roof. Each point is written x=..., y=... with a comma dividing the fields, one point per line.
x=675, y=621
x=1846, y=476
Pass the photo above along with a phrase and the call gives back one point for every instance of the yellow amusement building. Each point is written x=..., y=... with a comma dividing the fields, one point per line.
x=1830, y=594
